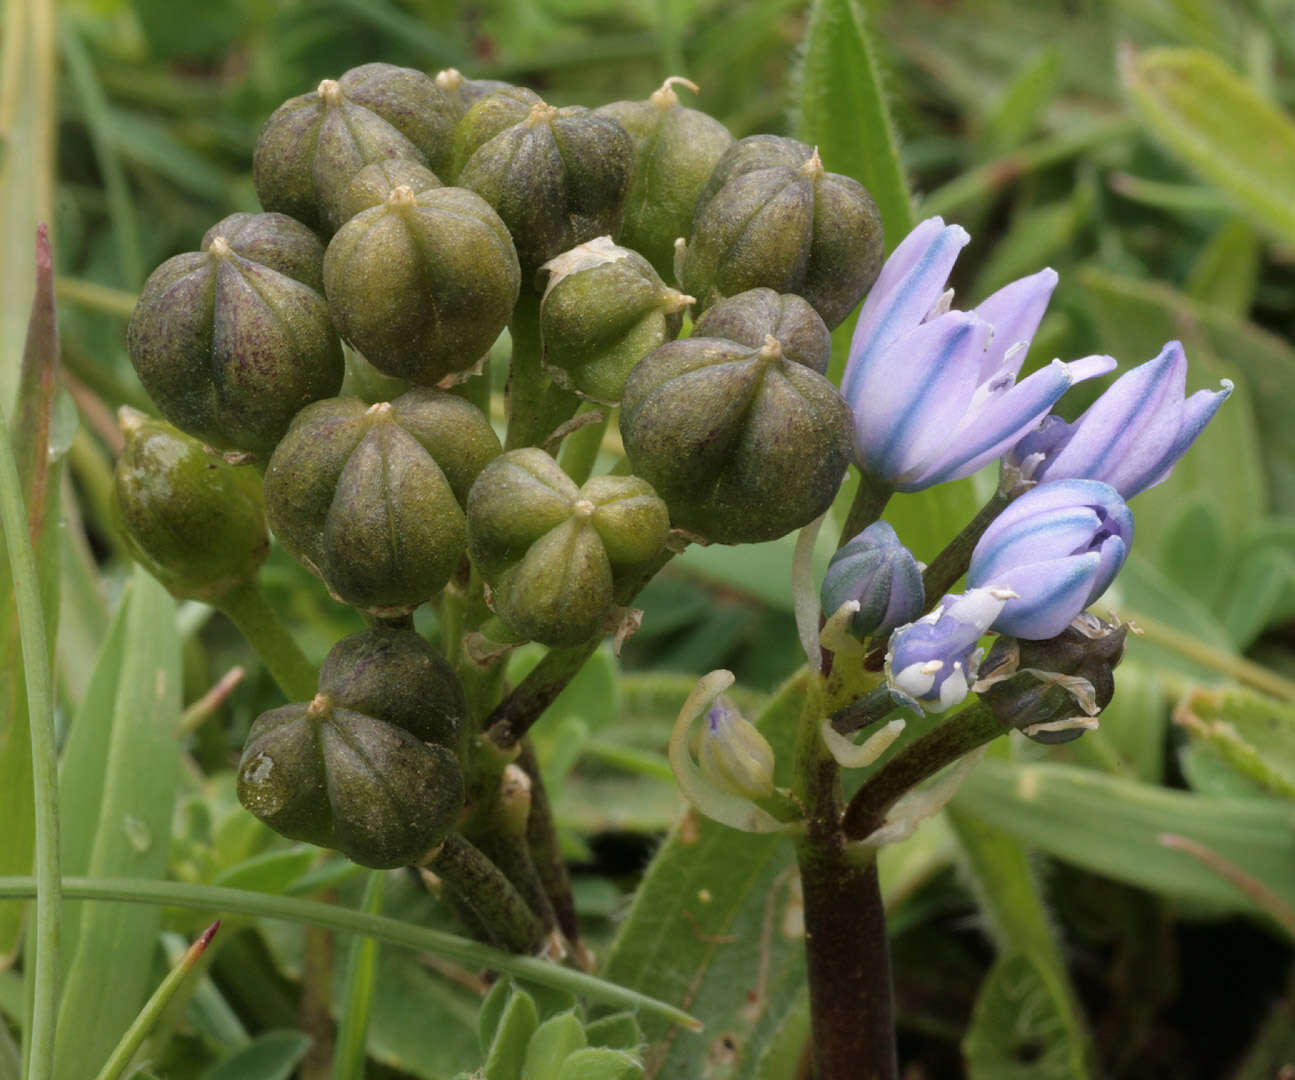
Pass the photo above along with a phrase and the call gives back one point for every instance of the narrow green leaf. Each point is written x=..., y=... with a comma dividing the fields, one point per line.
x=1017, y=112
x=1226, y=272
x=1254, y=735
x=517, y=1023
x=1222, y=127
x=272, y=1056
x=1112, y=826
x=357, y=995
x=841, y=108
x=1258, y=595
x=131, y=836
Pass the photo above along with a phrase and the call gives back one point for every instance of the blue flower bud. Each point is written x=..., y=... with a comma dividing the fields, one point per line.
x=933, y=662
x=1057, y=547
x=733, y=755
x=1132, y=436
x=934, y=391
x=881, y=574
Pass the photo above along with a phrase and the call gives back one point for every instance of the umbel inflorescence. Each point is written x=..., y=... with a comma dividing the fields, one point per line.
x=331, y=352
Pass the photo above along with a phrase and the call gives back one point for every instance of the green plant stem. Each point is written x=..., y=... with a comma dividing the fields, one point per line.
x=580, y=448
x=870, y=499
x=246, y=605
x=44, y=753
x=310, y=912
x=542, y=841
x=152, y=1011
x=952, y=562
x=535, y=405
x=875, y=705
x=959, y=735
x=95, y=297
x=846, y=948
x=513, y=716
x=493, y=898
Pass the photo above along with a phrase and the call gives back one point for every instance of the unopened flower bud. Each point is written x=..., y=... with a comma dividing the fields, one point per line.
x=371, y=497
x=1057, y=547
x=675, y=149
x=553, y=553
x=313, y=145
x=604, y=309
x=1060, y=685
x=423, y=284
x=733, y=755
x=932, y=663
x=771, y=216
x=881, y=574
x=743, y=443
x=557, y=177
x=330, y=776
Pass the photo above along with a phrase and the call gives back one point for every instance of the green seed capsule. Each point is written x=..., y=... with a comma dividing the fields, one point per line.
x=771, y=216
x=605, y=309
x=312, y=145
x=675, y=150
x=370, y=497
x=423, y=284
x=743, y=443
x=554, y=553
x=372, y=186
x=557, y=177
x=230, y=348
x=274, y=240
x=751, y=317
x=194, y=522
x=338, y=778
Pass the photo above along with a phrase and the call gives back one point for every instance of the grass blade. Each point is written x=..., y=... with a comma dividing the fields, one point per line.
x=357, y=996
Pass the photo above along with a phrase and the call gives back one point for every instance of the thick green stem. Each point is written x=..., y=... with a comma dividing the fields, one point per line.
x=580, y=448
x=246, y=605
x=870, y=500
x=535, y=405
x=480, y=884
x=875, y=705
x=953, y=561
x=968, y=730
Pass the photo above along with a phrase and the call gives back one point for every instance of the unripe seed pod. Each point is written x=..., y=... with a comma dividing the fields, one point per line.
x=463, y=92
x=395, y=676
x=313, y=144
x=274, y=240
x=370, y=497
x=752, y=316
x=742, y=443
x=554, y=553
x=229, y=348
x=373, y=185
x=192, y=521
x=344, y=780
x=557, y=177
x=675, y=150
x=423, y=284
x=604, y=309
x=771, y=216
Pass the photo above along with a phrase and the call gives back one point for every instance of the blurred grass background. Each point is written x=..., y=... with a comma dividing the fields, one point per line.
x=1160, y=186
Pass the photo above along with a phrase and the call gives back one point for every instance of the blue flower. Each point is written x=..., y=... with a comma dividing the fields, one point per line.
x=934, y=390
x=932, y=663
x=1057, y=548
x=881, y=574
x=1132, y=436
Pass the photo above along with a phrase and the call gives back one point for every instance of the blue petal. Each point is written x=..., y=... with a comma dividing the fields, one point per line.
x=1050, y=595
x=1015, y=312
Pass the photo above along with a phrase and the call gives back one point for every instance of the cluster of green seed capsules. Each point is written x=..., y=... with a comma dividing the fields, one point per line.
x=327, y=343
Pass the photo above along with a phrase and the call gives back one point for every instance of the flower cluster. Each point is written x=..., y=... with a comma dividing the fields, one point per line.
x=935, y=397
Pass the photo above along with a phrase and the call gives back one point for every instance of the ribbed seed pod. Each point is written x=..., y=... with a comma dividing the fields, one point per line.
x=675, y=150
x=557, y=177
x=230, y=348
x=372, y=186
x=605, y=309
x=274, y=240
x=742, y=443
x=771, y=216
x=371, y=497
x=313, y=144
x=751, y=317
x=554, y=553
x=423, y=284
x=192, y=521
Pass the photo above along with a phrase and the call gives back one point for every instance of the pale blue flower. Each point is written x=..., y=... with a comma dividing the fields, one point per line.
x=1057, y=548
x=934, y=390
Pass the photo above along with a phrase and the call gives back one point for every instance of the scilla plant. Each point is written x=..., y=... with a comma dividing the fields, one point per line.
x=324, y=367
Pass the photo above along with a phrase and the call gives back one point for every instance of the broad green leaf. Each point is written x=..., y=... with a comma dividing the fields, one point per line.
x=927, y=521
x=272, y=1056
x=1194, y=550
x=841, y=108
x=599, y=1063
x=1226, y=271
x=1259, y=594
x=1023, y=1027
x=719, y=909
x=1250, y=437
x=1255, y=735
x=517, y=1023
x=1113, y=826
x=1133, y=724
x=619, y=1031
x=1222, y=127
x=131, y=836
x=553, y=1042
